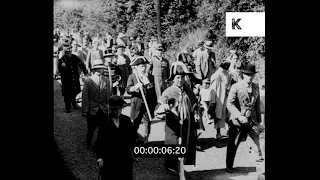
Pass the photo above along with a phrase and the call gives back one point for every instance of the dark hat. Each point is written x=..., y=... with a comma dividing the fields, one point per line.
x=109, y=54
x=116, y=102
x=206, y=80
x=178, y=68
x=66, y=47
x=249, y=69
x=225, y=64
x=139, y=60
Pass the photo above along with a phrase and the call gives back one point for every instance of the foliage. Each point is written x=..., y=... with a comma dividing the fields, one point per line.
x=183, y=23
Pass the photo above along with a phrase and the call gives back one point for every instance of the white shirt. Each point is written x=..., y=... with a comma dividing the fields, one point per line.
x=121, y=60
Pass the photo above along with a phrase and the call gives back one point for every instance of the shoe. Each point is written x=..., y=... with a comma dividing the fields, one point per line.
x=229, y=170
x=67, y=111
x=74, y=105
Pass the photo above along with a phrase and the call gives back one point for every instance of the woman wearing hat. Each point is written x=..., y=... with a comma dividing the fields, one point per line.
x=244, y=105
x=220, y=83
x=138, y=108
x=93, y=54
x=67, y=67
x=95, y=92
x=115, y=141
x=183, y=110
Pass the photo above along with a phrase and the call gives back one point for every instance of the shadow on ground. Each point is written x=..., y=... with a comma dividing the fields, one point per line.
x=219, y=174
x=60, y=169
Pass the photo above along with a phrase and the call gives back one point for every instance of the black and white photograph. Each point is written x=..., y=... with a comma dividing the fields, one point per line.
x=159, y=89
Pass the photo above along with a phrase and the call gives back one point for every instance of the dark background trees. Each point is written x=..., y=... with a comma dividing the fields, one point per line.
x=183, y=23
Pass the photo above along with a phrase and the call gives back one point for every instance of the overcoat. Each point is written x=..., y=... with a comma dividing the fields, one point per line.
x=136, y=97
x=172, y=127
x=114, y=145
x=68, y=68
x=94, y=97
x=220, y=81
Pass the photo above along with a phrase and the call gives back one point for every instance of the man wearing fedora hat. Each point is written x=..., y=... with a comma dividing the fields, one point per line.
x=93, y=54
x=145, y=80
x=205, y=61
x=180, y=125
x=159, y=68
x=112, y=72
x=95, y=93
x=67, y=68
x=244, y=105
x=115, y=141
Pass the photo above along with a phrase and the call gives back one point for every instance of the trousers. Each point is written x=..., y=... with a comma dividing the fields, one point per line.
x=93, y=122
x=236, y=134
x=68, y=100
x=159, y=85
x=144, y=119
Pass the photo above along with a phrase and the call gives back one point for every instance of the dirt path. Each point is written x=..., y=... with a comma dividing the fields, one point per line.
x=69, y=133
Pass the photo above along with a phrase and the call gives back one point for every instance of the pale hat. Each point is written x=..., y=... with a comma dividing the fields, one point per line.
x=98, y=63
x=208, y=45
x=121, y=35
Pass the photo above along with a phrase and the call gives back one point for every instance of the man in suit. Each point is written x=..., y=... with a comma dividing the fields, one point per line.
x=244, y=105
x=67, y=68
x=205, y=61
x=138, y=112
x=95, y=93
x=159, y=68
x=93, y=54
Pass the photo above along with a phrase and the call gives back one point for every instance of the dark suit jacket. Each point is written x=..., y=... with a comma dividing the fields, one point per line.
x=136, y=97
x=93, y=98
x=239, y=100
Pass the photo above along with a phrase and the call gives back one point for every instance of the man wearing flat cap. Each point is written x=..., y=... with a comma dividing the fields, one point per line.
x=67, y=67
x=138, y=112
x=159, y=68
x=95, y=93
x=244, y=105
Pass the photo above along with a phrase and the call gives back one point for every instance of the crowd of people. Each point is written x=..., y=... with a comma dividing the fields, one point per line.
x=189, y=94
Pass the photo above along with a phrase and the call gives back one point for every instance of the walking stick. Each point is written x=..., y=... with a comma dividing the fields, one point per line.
x=181, y=169
x=143, y=96
x=110, y=79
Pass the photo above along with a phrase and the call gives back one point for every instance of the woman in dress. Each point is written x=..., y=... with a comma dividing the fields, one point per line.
x=220, y=83
x=115, y=142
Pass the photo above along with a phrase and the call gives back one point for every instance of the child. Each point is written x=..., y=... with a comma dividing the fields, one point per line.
x=207, y=101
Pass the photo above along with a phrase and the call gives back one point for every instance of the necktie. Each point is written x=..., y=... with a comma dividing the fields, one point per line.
x=100, y=82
